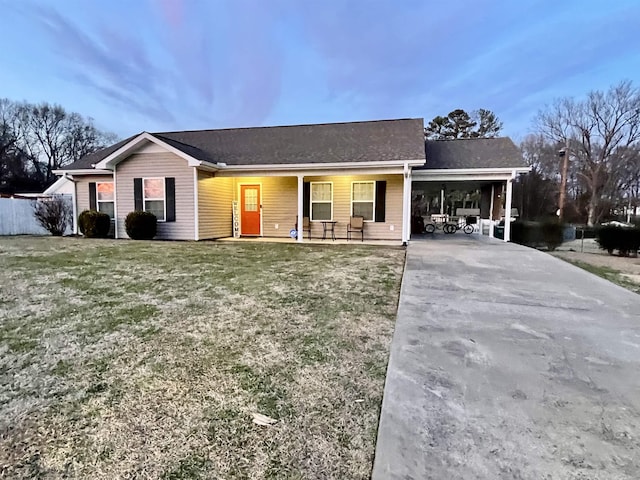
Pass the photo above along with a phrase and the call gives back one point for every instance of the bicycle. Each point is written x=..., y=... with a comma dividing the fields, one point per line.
x=449, y=228
x=452, y=228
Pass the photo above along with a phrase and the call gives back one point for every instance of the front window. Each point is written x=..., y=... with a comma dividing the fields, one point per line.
x=154, y=197
x=321, y=201
x=363, y=199
x=105, y=198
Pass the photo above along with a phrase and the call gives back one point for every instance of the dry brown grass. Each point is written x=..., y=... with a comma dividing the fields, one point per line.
x=147, y=359
x=624, y=271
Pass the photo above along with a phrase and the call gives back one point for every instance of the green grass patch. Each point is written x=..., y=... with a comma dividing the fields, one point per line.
x=607, y=273
x=126, y=359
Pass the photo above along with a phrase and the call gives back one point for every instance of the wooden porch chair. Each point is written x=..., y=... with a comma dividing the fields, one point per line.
x=356, y=225
x=306, y=225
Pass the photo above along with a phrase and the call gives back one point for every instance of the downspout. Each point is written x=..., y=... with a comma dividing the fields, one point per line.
x=74, y=205
x=115, y=203
x=196, y=206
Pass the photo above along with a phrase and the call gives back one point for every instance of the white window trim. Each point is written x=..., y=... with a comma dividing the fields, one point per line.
x=311, y=202
x=360, y=201
x=98, y=201
x=164, y=199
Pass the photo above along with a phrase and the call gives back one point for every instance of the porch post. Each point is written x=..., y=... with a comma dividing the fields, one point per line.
x=507, y=209
x=406, y=205
x=300, y=208
x=115, y=202
x=442, y=200
x=491, y=211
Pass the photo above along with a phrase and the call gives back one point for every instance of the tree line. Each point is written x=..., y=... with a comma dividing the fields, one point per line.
x=36, y=139
x=600, y=135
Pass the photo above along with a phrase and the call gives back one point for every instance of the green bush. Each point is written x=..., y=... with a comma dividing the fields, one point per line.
x=141, y=225
x=536, y=234
x=625, y=240
x=526, y=233
x=552, y=234
x=93, y=224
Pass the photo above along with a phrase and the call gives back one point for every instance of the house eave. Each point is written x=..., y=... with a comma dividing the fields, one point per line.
x=469, y=174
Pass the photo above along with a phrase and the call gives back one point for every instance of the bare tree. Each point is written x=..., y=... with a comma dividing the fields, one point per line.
x=46, y=137
x=54, y=214
x=538, y=190
x=15, y=172
x=600, y=131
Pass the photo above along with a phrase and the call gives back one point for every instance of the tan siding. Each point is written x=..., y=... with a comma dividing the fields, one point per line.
x=279, y=203
x=158, y=165
x=342, y=207
x=215, y=195
x=82, y=188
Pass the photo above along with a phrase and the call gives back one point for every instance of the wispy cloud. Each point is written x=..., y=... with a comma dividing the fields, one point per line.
x=109, y=62
x=188, y=64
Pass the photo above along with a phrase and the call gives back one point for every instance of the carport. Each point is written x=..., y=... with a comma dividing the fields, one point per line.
x=468, y=177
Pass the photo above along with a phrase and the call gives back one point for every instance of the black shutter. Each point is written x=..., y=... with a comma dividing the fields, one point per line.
x=137, y=194
x=93, y=205
x=306, y=197
x=170, y=190
x=381, y=197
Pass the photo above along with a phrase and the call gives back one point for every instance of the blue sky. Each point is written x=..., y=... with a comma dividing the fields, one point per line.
x=158, y=65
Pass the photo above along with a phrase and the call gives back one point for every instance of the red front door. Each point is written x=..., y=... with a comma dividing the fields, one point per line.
x=250, y=209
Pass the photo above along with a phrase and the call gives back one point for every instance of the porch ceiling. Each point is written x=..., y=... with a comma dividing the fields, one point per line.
x=435, y=186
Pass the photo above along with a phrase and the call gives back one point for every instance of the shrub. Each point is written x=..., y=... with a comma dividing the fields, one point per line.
x=630, y=242
x=552, y=234
x=53, y=214
x=536, y=234
x=141, y=225
x=625, y=240
x=526, y=233
x=94, y=224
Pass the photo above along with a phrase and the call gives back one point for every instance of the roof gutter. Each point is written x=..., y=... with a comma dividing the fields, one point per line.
x=82, y=171
x=319, y=166
x=457, y=171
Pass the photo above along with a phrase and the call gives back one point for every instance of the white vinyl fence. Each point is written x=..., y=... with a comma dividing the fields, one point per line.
x=16, y=217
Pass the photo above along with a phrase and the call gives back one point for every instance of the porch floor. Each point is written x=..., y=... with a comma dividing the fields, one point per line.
x=313, y=241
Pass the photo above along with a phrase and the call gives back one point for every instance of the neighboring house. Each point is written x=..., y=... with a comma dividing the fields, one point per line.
x=191, y=180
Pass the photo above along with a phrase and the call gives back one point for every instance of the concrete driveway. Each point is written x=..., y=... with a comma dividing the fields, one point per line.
x=507, y=363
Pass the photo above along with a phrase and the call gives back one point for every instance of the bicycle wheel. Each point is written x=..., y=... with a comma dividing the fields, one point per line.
x=429, y=228
x=468, y=229
x=448, y=228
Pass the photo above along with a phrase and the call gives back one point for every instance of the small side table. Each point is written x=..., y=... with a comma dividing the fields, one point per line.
x=329, y=225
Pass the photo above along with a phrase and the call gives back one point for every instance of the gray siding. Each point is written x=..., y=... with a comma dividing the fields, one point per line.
x=158, y=165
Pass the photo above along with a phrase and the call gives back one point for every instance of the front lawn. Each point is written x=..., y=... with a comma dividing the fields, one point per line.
x=122, y=359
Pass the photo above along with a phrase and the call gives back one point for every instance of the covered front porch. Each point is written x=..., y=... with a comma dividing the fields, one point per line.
x=268, y=205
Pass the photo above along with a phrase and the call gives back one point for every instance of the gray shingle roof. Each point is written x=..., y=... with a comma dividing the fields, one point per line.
x=473, y=153
x=382, y=140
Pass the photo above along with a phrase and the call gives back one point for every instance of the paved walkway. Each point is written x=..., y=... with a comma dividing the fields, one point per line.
x=507, y=363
